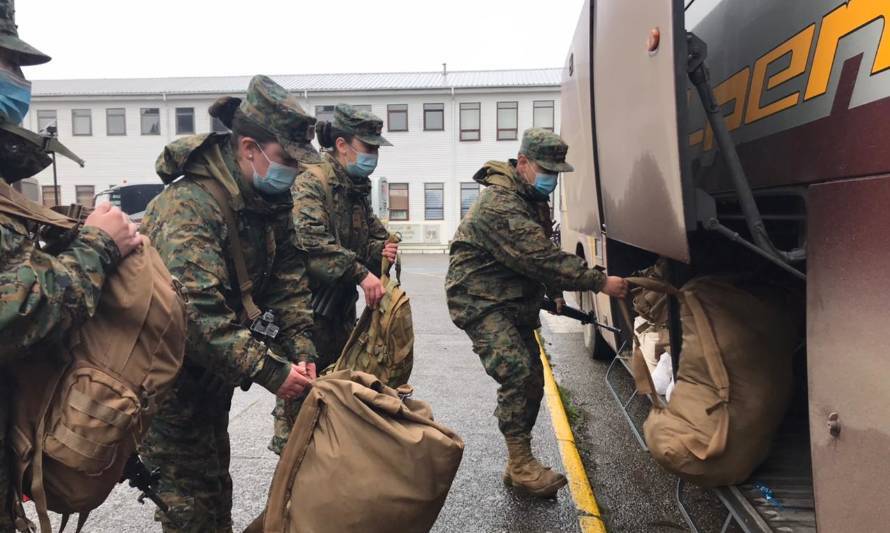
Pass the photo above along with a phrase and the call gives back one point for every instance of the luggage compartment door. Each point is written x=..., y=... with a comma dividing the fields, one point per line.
x=640, y=108
x=847, y=358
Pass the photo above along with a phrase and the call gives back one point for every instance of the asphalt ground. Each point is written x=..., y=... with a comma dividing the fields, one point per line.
x=634, y=494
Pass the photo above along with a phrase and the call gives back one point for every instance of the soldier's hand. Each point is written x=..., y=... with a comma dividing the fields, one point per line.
x=616, y=287
x=308, y=370
x=117, y=225
x=390, y=250
x=295, y=385
x=373, y=290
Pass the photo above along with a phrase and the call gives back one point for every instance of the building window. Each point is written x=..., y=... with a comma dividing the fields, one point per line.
x=397, y=117
x=185, y=120
x=46, y=118
x=508, y=120
x=115, y=121
x=48, y=193
x=82, y=122
x=85, y=194
x=324, y=112
x=216, y=126
x=468, y=194
x=363, y=107
x=470, y=120
x=434, y=201
x=542, y=114
x=398, y=201
x=150, y=120
x=433, y=117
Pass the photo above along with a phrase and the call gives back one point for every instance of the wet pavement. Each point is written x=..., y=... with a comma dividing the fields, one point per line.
x=633, y=493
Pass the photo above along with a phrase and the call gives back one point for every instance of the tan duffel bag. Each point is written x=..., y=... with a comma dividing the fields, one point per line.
x=361, y=458
x=734, y=381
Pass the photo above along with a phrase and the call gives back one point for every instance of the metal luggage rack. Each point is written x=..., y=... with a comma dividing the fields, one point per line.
x=786, y=474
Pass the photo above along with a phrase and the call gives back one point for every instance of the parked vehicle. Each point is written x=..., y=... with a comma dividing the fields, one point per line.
x=788, y=177
x=132, y=199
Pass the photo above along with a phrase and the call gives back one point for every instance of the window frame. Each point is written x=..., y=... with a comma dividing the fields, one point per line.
x=549, y=104
x=439, y=186
x=78, y=189
x=54, y=119
x=142, y=111
x=176, y=120
x=472, y=186
x=390, y=112
x=56, y=192
x=407, y=210
x=440, y=110
x=460, y=118
x=74, y=117
x=123, y=115
x=507, y=105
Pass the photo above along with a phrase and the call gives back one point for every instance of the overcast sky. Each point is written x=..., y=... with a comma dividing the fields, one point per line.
x=152, y=38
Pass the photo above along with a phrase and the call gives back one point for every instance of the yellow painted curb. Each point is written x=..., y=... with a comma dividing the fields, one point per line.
x=582, y=493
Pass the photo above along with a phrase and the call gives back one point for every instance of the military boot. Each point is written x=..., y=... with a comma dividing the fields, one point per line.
x=525, y=472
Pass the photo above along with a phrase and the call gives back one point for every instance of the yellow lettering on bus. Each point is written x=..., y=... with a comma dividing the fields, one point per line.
x=841, y=22
x=799, y=48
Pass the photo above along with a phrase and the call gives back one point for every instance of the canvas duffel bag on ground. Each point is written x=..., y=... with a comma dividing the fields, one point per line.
x=361, y=458
x=734, y=381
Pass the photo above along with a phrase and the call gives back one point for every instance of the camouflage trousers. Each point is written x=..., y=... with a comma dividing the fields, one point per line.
x=6, y=518
x=189, y=441
x=510, y=355
x=329, y=337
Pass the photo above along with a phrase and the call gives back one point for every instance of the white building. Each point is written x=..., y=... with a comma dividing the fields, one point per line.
x=443, y=126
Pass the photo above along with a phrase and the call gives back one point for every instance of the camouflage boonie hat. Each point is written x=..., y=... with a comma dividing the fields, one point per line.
x=366, y=126
x=271, y=107
x=9, y=37
x=545, y=148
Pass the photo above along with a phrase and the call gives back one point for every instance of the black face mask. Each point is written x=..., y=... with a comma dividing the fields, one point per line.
x=19, y=158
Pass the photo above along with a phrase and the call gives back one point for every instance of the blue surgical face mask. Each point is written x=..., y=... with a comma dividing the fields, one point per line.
x=364, y=164
x=545, y=183
x=15, y=97
x=278, y=179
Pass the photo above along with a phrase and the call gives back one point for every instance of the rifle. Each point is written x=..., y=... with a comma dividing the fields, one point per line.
x=144, y=480
x=576, y=314
x=330, y=301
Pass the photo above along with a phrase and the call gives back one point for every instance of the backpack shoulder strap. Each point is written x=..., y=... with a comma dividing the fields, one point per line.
x=236, y=251
x=18, y=205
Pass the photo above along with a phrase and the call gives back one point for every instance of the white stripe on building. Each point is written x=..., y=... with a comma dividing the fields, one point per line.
x=455, y=122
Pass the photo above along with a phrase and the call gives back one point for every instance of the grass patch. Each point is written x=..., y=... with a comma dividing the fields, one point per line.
x=571, y=411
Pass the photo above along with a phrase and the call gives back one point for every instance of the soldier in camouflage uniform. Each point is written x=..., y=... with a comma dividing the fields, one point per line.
x=256, y=163
x=42, y=296
x=501, y=265
x=345, y=240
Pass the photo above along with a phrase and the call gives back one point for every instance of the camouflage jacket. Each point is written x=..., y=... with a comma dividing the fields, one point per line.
x=337, y=226
x=43, y=296
x=188, y=229
x=501, y=258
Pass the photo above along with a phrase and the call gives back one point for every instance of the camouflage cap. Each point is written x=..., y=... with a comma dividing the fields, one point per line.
x=545, y=148
x=366, y=126
x=9, y=37
x=271, y=107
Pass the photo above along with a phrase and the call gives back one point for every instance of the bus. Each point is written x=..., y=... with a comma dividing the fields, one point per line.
x=791, y=167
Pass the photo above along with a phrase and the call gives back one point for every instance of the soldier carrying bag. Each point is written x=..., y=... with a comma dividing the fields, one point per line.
x=382, y=342
x=81, y=411
x=392, y=473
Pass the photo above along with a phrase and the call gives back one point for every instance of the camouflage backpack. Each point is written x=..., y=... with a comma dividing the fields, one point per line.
x=382, y=342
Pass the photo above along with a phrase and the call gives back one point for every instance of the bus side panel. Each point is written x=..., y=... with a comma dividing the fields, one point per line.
x=847, y=348
x=580, y=209
x=637, y=124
